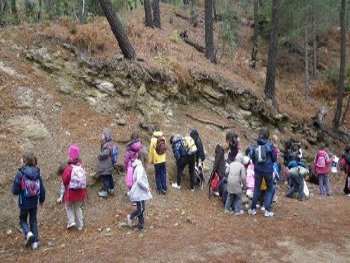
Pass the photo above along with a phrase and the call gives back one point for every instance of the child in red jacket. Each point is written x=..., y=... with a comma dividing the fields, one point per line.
x=74, y=180
x=321, y=168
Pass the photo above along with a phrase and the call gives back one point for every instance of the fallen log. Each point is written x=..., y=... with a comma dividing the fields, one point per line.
x=183, y=16
x=184, y=36
x=220, y=126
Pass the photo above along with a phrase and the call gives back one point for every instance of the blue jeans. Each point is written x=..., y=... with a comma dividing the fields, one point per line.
x=324, y=182
x=161, y=176
x=234, y=200
x=23, y=217
x=257, y=189
x=108, y=182
x=139, y=213
x=297, y=185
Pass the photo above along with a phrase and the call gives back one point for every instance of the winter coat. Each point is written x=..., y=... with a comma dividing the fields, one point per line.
x=32, y=173
x=178, y=148
x=132, y=152
x=72, y=195
x=105, y=165
x=322, y=170
x=267, y=166
x=236, y=175
x=154, y=157
x=140, y=190
x=219, y=162
x=200, y=151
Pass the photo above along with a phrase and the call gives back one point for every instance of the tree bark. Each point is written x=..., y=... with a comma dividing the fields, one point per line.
x=117, y=29
x=186, y=2
x=256, y=33
x=314, y=36
x=215, y=11
x=148, y=13
x=338, y=111
x=194, y=16
x=345, y=112
x=306, y=57
x=209, y=37
x=271, y=64
x=14, y=9
x=156, y=14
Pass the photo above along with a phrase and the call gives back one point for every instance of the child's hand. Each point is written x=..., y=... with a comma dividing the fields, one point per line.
x=59, y=200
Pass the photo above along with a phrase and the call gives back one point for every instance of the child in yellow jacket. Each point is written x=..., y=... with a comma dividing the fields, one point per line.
x=157, y=156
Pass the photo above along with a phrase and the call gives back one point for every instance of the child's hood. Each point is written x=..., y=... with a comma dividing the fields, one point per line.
x=322, y=153
x=30, y=172
x=135, y=146
x=136, y=163
x=107, y=134
x=158, y=134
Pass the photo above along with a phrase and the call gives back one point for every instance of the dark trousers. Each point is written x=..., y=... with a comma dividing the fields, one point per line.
x=257, y=190
x=139, y=213
x=181, y=163
x=297, y=185
x=160, y=169
x=23, y=217
x=108, y=182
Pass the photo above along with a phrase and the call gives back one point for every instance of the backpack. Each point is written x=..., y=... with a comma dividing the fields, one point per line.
x=129, y=179
x=78, y=178
x=250, y=176
x=214, y=182
x=161, y=146
x=260, y=154
x=190, y=145
x=320, y=161
x=343, y=165
x=30, y=188
x=114, y=155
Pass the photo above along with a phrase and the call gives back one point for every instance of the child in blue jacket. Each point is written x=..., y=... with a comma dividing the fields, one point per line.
x=30, y=189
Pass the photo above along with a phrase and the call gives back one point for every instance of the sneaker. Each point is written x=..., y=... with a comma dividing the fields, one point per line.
x=330, y=194
x=35, y=245
x=268, y=214
x=129, y=221
x=192, y=190
x=103, y=193
x=80, y=228
x=71, y=225
x=258, y=206
x=241, y=212
x=163, y=192
x=111, y=192
x=227, y=211
x=216, y=193
x=262, y=208
x=29, y=239
x=141, y=227
x=252, y=212
x=348, y=195
x=176, y=186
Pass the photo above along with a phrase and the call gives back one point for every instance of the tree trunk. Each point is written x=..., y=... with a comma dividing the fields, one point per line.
x=215, y=11
x=209, y=38
x=117, y=29
x=148, y=13
x=314, y=36
x=306, y=57
x=186, y=2
x=14, y=9
x=338, y=111
x=156, y=13
x=83, y=9
x=271, y=63
x=256, y=33
x=194, y=16
x=345, y=112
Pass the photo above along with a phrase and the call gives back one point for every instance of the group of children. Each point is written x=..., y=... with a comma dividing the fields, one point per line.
x=256, y=172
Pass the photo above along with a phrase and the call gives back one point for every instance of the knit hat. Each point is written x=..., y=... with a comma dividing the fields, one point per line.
x=73, y=152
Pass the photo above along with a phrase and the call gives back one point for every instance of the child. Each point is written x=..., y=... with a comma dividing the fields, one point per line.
x=346, y=163
x=30, y=188
x=131, y=154
x=105, y=166
x=236, y=178
x=321, y=168
x=74, y=180
x=140, y=191
x=157, y=157
x=62, y=187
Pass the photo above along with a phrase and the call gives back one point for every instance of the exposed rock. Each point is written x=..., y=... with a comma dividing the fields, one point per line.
x=9, y=232
x=121, y=122
x=8, y=70
x=106, y=87
x=28, y=127
x=92, y=101
x=24, y=97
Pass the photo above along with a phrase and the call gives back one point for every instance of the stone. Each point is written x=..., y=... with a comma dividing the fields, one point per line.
x=50, y=244
x=121, y=122
x=92, y=101
x=183, y=213
x=9, y=71
x=66, y=89
x=122, y=225
x=106, y=87
x=108, y=229
x=9, y=232
x=176, y=224
x=28, y=127
x=24, y=97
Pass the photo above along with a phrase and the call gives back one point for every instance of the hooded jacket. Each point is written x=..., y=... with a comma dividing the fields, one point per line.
x=322, y=170
x=132, y=152
x=154, y=157
x=72, y=195
x=178, y=148
x=200, y=151
x=140, y=190
x=32, y=173
x=236, y=175
x=105, y=165
x=267, y=166
x=219, y=162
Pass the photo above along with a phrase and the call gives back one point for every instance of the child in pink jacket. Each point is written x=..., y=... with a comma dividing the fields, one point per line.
x=321, y=168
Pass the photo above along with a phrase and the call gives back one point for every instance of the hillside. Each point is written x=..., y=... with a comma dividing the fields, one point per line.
x=62, y=84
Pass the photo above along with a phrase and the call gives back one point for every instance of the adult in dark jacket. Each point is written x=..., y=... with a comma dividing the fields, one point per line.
x=182, y=159
x=200, y=155
x=263, y=168
x=219, y=162
x=28, y=203
x=232, y=141
x=346, y=155
x=105, y=166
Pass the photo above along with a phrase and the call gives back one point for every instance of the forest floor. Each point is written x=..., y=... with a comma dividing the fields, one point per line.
x=181, y=226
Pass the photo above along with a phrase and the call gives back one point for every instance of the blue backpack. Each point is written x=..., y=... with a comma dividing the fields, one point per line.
x=114, y=154
x=30, y=188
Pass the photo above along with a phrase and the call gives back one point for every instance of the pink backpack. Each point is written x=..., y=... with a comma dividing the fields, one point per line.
x=250, y=176
x=78, y=178
x=129, y=179
x=321, y=160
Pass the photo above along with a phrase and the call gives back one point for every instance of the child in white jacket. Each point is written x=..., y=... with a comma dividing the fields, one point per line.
x=140, y=191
